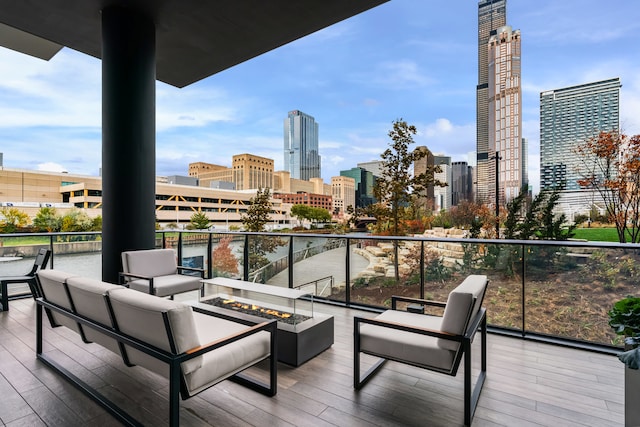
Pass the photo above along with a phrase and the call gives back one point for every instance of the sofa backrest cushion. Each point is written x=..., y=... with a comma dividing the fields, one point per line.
x=88, y=296
x=52, y=283
x=140, y=315
x=463, y=304
x=150, y=262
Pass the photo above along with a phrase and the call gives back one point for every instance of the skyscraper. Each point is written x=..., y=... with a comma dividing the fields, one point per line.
x=442, y=195
x=568, y=117
x=504, y=114
x=422, y=166
x=492, y=14
x=461, y=182
x=301, y=157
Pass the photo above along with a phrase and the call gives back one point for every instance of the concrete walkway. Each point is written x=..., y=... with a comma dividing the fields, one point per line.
x=329, y=263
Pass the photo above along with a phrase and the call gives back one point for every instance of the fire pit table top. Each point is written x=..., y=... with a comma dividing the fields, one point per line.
x=277, y=291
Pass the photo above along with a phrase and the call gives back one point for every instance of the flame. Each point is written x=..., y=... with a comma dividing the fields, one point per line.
x=234, y=304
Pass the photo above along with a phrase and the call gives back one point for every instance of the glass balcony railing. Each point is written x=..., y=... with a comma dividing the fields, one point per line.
x=555, y=291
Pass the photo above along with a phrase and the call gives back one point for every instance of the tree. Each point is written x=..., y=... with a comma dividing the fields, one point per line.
x=257, y=216
x=76, y=220
x=301, y=212
x=610, y=166
x=224, y=261
x=258, y=212
x=47, y=219
x=395, y=185
x=13, y=220
x=199, y=221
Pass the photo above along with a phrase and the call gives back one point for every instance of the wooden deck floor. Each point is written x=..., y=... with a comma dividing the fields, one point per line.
x=528, y=384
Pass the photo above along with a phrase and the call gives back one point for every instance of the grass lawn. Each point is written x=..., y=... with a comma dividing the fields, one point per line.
x=24, y=241
x=596, y=234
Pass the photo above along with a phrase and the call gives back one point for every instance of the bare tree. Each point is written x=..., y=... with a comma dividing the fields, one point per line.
x=610, y=165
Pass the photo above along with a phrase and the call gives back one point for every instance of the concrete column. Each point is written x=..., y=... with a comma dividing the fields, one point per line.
x=128, y=135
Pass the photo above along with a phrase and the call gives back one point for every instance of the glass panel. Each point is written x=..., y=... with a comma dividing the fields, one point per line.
x=502, y=264
x=569, y=290
x=226, y=255
x=265, y=255
x=194, y=251
x=319, y=265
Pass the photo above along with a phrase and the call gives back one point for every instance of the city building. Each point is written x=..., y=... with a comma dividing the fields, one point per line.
x=309, y=199
x=30, y=190
x=568, y=117
x=442, y=195
x=505, y=115
x=461, y=182
x=422, y=166
x=492, y=14
x=301, y=156
x=252, y=172
x=343, y=192
x=374, y=166
x=364, y=182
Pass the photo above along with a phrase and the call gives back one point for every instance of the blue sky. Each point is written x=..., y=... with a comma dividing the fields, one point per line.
x=410, y=59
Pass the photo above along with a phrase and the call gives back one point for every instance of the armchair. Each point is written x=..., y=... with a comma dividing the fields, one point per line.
x=42, y=258
x=437, y=343
x=156, y=272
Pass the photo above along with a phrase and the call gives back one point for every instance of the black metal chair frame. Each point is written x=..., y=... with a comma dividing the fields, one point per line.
x=177, y=387
x=471, y=395
x=41, y=261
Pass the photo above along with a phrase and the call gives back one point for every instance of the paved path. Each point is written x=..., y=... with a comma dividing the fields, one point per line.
x=329, y=263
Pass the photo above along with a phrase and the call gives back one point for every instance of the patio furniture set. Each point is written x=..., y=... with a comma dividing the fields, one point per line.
x=196, y=347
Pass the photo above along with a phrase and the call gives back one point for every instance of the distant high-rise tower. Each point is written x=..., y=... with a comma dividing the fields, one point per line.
x=442, y=195
x=505, y=114
x=461, y=182
x=568, y=117
x=492, y=14
x=422, y=166
x=301, y=157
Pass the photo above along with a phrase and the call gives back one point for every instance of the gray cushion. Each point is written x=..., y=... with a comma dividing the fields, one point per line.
x=463, y=304
x=151, y=262
x=228, y=359
x=140, y=315
x=88, y=299
x=407, y=346
x=52, y=283
x=167, y=285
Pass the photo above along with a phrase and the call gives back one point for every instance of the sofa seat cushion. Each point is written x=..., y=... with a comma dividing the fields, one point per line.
x=140, y=315
x=229, y=359
x=407, y=346
x=167, y=285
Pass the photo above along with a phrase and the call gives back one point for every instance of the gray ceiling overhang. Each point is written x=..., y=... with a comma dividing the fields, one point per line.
x=194, y=38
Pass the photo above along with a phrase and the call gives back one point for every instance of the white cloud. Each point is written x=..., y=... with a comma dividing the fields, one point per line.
x=51, y=167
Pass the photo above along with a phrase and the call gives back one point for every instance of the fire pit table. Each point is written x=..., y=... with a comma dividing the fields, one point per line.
x=302, y=332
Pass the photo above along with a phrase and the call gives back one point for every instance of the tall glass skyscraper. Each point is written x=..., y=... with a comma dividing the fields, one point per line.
x=568, y=117
x=492, y=14
x=301, y=157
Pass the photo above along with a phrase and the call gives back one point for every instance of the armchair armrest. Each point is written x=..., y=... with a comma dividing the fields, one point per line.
x=402, y=327
x=122, y=276
x=269, y=326
x=195, y=269
x=479, y=321
x=396, y=298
